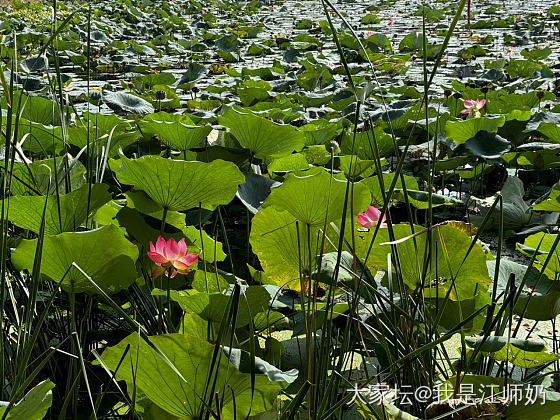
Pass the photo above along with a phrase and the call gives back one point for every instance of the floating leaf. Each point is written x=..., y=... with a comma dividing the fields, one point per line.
x=127, y=102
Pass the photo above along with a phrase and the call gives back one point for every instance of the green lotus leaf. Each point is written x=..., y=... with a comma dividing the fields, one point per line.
x=34, y=405
x=421, y=199
x=128, y=103
x=36, y=109
x=65, y=214
x=375, y=188
x=145, y=369
x=359, y=167
x=104, y=130
x=462, y=130
x=412, y=42
x=524, y=358
x=546, y=246
x=293, y=162
x=551, y=201
x=307, y=195
x=194, y=72
x=487, y=145
x=176, y=135
x=496, y=343
x=212, y=306
x=449, y=247
x=179, y=184
x=262, y=137
x=274, y=239
x=38, y=138
x=547, y=123
x=104, y=254
x=137, y=227
x=540, y=297
x=38, y=176
x=254, y=191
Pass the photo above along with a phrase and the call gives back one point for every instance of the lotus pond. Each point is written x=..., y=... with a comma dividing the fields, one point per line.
x=280, y=210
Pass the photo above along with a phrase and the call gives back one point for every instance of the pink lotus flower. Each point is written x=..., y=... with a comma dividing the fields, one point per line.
x=473, y=107
x=203, y=11
x=369, y=34
x=370, y=217
x=390, y=22
x=171, y=254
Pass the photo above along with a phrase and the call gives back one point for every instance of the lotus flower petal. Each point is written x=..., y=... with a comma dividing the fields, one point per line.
x=171, y=254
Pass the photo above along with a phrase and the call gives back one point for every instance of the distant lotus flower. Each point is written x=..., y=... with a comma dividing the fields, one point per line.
x=473, y=107
x=370, y=217
x=369, y=34
x=509, y=50
x=203, y=11
x=171, y=254
x=390, y=22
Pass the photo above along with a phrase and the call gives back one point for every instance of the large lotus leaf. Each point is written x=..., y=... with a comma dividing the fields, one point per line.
x=449, y=248
x=546, y=247
x=462, y=130
x=127, y=103
x=290, y=163
x=64, y=214
x=262, y=137
x=307, y=196
x=353, y=167
x=140, y=201
x=137, y=227
x=412, y=42
x=551, y=202
x=421, y=199
x=255, y=190
x=540, y=298
x=104, y=254
x=496, y=343
x=212, y=306
x=181, y=396
x=34, y=405
x=274, y=238
x=194, y=72
x=455, y=312
x=177, y=135
x=35, y=63
x=179, y=184
x=346, y=272
x=34, y=178
x=487, y=145
x=36, y=109
x=37, y=138
x=241, y=359
x=375, y=187
x=101, y=129
x=505, y=104
x=363, y=144
x=517, y=213
x=547, y=123
x=537, y=155
x=523, y=358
